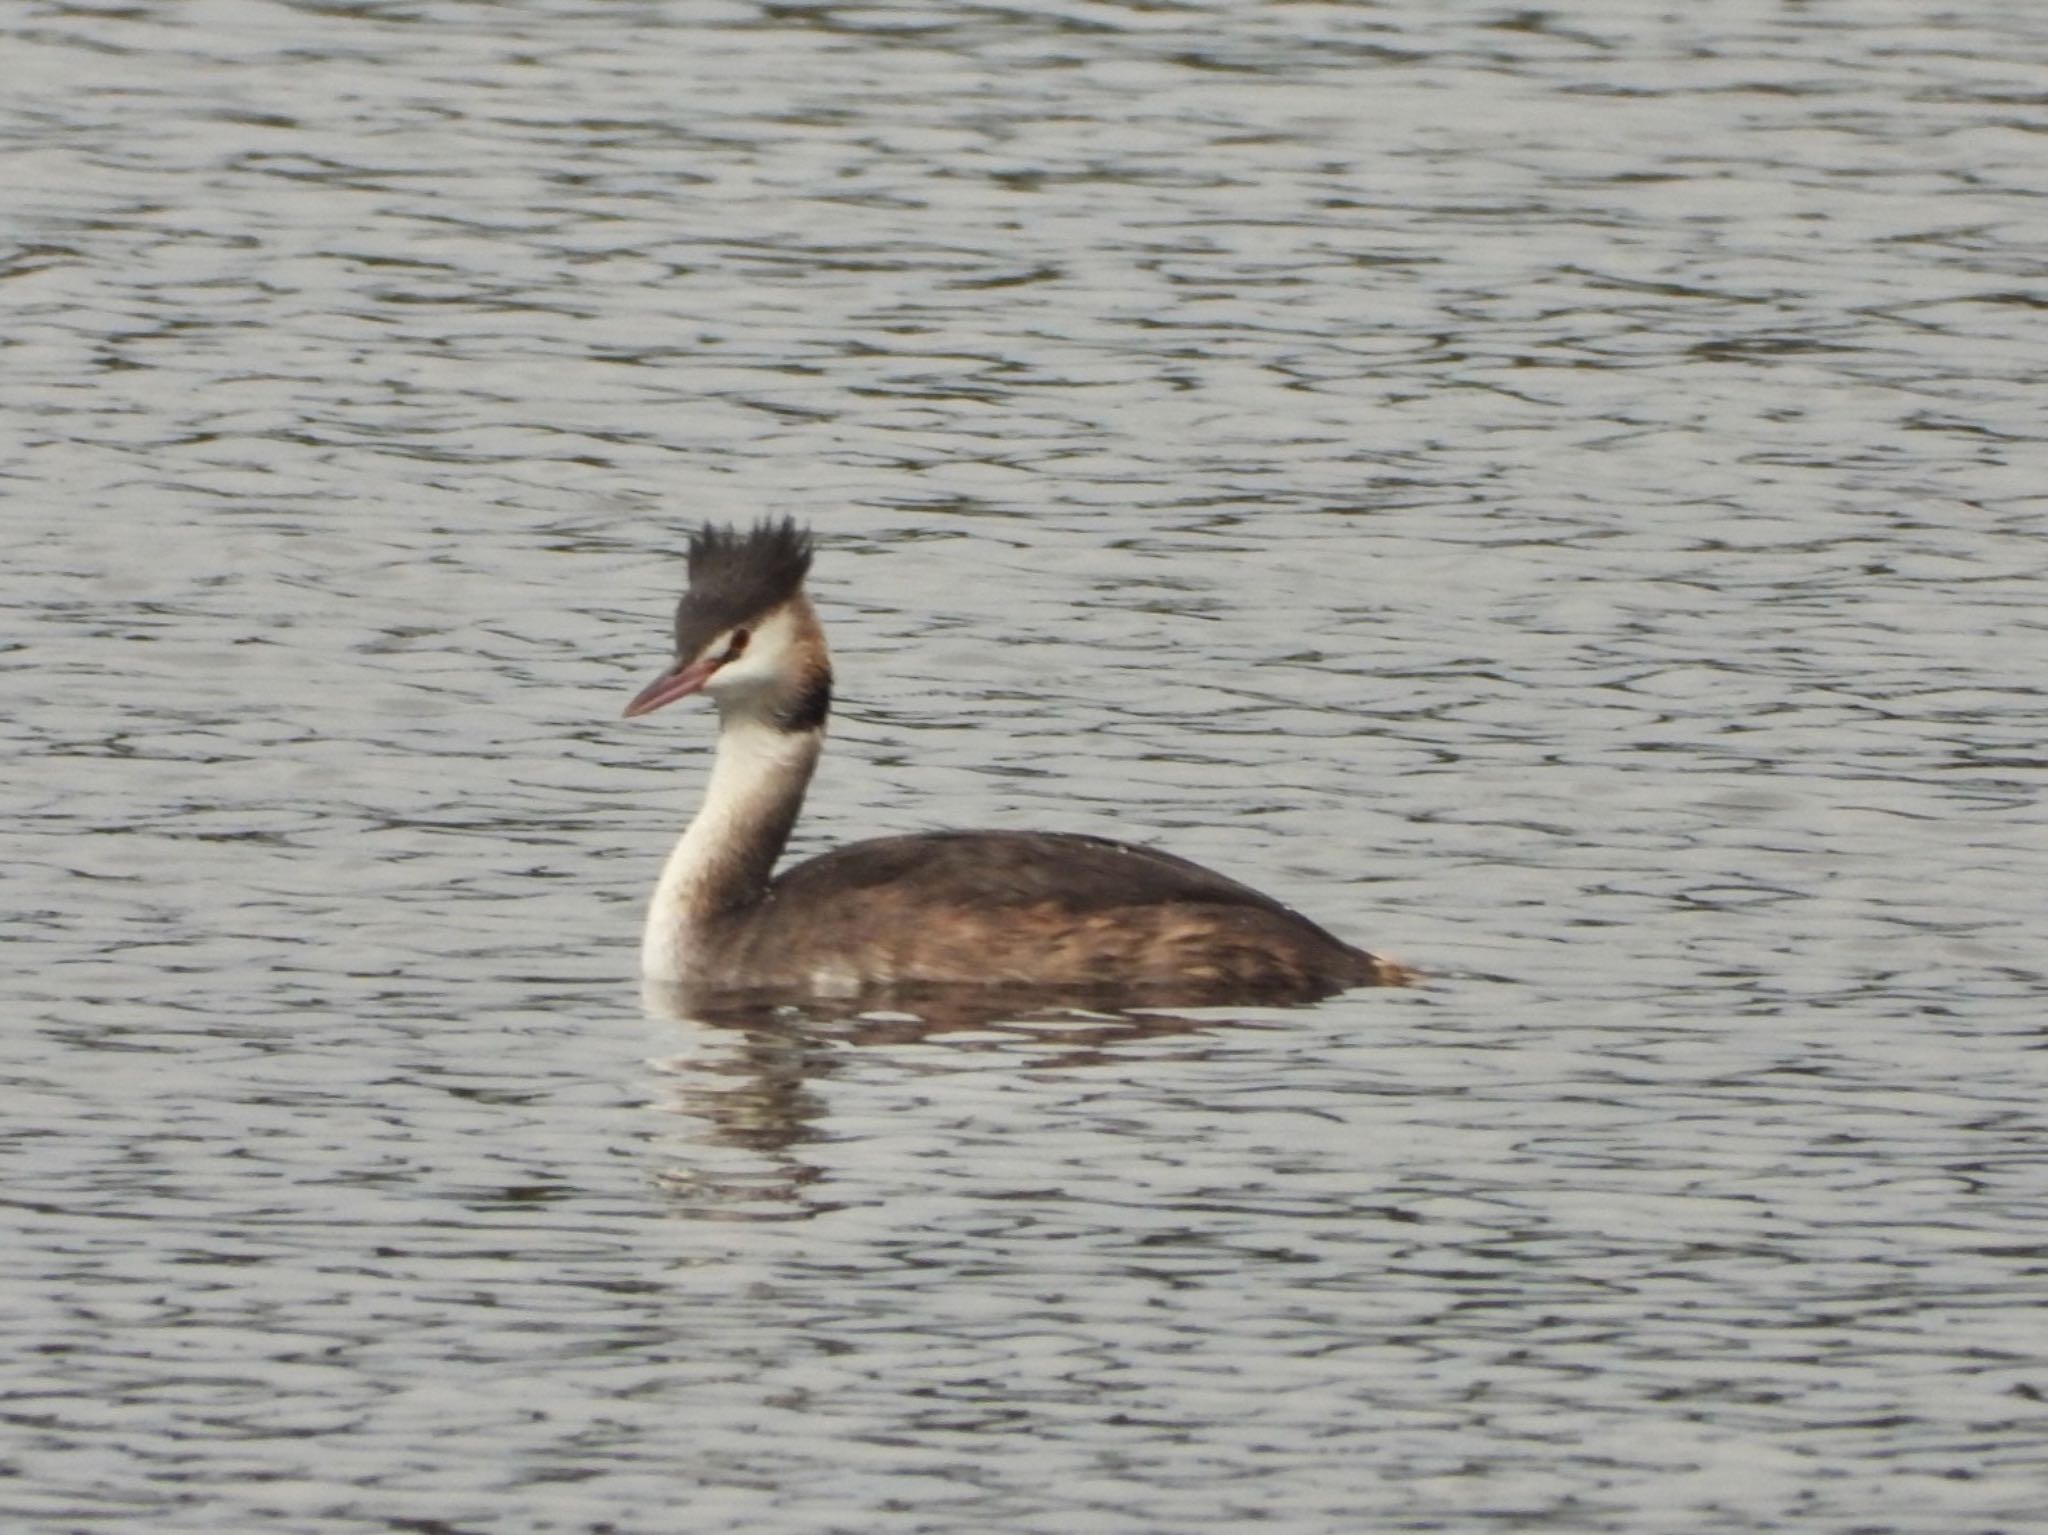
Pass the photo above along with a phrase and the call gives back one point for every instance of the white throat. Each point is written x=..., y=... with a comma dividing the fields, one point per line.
x=723, y=858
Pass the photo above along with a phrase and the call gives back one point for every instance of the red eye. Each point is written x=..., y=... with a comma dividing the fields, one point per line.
x=734, y=646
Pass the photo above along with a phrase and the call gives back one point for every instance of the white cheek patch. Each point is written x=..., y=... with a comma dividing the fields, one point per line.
x=768, y=656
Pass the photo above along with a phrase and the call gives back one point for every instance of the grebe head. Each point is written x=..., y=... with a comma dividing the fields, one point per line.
x=745, y=632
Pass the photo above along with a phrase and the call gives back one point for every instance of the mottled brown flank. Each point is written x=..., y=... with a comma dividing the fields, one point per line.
x=1051, y=910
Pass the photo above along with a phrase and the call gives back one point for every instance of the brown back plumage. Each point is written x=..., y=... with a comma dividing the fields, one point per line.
x=1057, y=909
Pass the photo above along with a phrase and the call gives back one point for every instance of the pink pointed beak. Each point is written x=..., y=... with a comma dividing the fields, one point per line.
x=679, y=681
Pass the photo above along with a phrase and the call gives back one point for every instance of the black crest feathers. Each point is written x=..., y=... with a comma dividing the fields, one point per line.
x=738, y=574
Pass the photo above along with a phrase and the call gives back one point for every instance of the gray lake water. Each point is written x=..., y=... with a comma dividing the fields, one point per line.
x=1557, y=495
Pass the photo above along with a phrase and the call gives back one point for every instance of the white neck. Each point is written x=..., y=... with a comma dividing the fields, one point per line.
x=723, y=859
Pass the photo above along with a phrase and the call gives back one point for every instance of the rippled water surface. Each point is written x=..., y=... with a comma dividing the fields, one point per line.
x=1559, y=495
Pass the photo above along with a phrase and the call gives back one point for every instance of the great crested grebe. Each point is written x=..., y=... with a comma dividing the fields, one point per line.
x=943, y=909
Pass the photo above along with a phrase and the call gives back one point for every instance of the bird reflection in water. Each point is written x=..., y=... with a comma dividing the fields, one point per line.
x=747, y=1082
